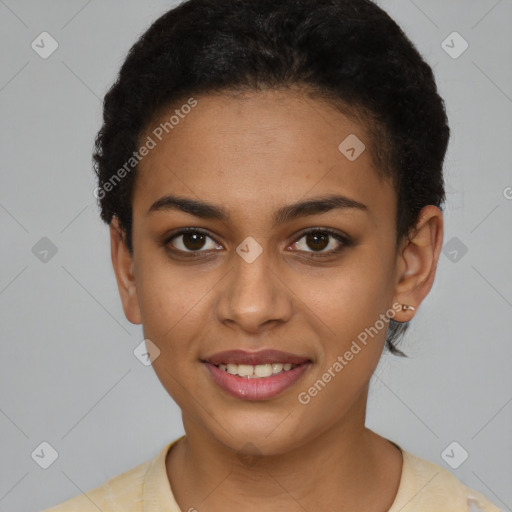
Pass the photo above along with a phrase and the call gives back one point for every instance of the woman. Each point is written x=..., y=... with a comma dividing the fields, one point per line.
x=272, y=176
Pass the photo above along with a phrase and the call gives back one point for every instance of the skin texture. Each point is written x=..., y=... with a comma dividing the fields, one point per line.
x=253, y=153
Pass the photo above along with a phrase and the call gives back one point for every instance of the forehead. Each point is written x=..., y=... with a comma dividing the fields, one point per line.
x=259, y=149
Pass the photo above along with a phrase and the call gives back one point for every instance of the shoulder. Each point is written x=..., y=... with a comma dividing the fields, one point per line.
x=426, y=487
x=117, y=493
x=127, y=492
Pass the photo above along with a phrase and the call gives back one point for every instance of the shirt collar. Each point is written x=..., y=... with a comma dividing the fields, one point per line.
x=157, y=493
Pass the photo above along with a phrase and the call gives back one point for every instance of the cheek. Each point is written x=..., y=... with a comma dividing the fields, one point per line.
x=345, y=310
x=162, y=305
x=169, y=304
x=171, y=310
x=165, y=291
x=346, y=298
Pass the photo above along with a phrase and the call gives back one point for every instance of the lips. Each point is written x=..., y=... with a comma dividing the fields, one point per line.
x=254, y=358
x=265, y=383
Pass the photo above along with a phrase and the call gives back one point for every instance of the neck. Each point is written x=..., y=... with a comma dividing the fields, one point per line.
x=344, y=468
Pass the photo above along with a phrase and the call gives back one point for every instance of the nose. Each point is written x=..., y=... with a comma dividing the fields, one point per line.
x=254, y=297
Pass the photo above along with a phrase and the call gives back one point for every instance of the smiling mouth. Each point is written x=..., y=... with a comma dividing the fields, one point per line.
x=258, y=371
x=260, y=375
x=256, y=382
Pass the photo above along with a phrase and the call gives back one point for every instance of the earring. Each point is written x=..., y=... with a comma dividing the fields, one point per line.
x=406, y=307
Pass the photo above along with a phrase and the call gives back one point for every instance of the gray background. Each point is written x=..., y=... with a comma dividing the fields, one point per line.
x=68, y=373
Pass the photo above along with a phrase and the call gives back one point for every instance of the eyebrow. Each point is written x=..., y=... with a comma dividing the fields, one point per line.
x=284, y=214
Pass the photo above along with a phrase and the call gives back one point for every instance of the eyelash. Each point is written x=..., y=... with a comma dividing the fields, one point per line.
x=345, y=241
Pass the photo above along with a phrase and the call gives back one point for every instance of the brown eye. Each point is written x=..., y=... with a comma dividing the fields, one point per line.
x=191, y=240
x=318, y=240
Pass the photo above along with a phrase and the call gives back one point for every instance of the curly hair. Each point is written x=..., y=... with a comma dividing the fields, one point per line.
x=348, y=52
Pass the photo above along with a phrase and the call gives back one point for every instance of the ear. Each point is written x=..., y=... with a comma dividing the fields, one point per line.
x=122, y=262
x=417, y=261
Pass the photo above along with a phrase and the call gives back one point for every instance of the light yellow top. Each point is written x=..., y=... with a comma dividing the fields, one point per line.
x=424, y=487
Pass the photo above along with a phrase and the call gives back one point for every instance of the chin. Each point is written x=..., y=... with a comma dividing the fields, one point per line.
x=254, y=435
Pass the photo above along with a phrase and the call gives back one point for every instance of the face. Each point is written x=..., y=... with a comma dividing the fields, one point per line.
x=267, y=263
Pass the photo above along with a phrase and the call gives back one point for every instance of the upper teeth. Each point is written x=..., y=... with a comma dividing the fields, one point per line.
x=256, y=371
